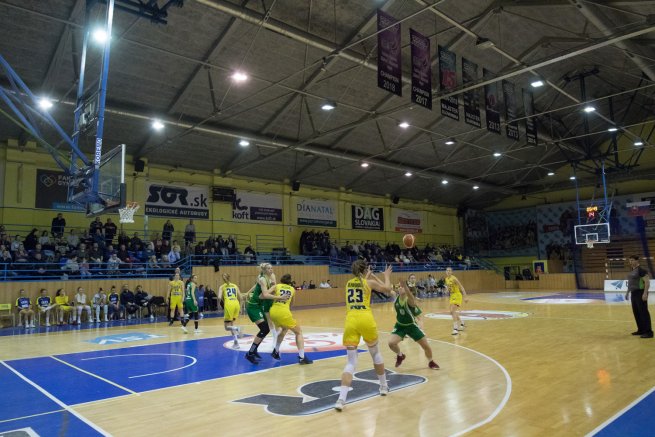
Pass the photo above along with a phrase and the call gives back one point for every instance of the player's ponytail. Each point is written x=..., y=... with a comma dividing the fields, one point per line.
x=359, y=267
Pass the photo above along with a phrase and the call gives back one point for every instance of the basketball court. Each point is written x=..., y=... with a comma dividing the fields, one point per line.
x=527, y=364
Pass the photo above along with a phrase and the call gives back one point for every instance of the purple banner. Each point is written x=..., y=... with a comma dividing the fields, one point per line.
x=448, y=82
x=421, y=69
x=491, y=103
x=530, y=119
x=509, y=95
x=389, y=56
x=472, y=97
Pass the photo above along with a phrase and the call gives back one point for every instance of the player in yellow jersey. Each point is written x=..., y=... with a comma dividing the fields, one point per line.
x=175, y=293
x=229, y=294
x=282, y=317
x=361, y=324
x=457, y=293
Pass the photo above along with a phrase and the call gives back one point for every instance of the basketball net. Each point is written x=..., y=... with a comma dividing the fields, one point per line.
x=127, y=214
x=590, y=244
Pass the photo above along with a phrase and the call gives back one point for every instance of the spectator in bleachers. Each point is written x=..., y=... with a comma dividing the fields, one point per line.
x=38, y=265
x=168, y=230
x=95, y=225
x=312, y=285
x=110, y=231
x=113, y=265
x=44, y=240
x=71, y=268
x=135, y=241
x=99, y=238
x=95, y=257
x=128, y=301
x=174, y=255
x=109, y=251
x=144, y=300
x=231, y=245
x=250, y=255
x=57, y=226
x=31, y=240
x=149, y=250
x=152, y=263
x=124, y=239
x=325, y=284
x=82, y=251
x=189, y=233
x=85, y=268
x=15, y=243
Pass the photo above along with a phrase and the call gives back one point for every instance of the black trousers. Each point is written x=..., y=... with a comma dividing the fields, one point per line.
x=640, y=311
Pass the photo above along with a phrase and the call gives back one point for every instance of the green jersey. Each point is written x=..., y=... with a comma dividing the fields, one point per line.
x=254, y=297
x=189, y=292
x=405, y=314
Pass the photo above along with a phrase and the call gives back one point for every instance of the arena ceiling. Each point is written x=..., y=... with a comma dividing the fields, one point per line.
x=301, y=53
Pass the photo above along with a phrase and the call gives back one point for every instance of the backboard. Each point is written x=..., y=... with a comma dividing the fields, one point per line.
x=591, y=234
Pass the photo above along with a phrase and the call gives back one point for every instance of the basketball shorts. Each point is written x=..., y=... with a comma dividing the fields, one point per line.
x=413, y=331
x=266, y=305
x=360, y=326
x=255, y=312
x=176, y=302
x=231, y=310
x=190, y=307
x=282, y=317
x=456, y=299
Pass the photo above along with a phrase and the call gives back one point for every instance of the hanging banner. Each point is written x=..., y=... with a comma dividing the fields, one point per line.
x=312, y=212
x=472, y=97
x=52, y=191
x=491, y=105
x=638, y=209
x=407, y=221
x=367, y=217
x=512, y=126
x=530, y=119
x=448, y=82
x=421, y=69
x=389, y=55
x=256, y=207
x=177, y=201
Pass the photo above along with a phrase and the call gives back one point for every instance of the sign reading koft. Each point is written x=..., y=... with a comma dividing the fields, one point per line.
x=313, y=212
x=256, y=207
x=367, y=217
x=177, y=201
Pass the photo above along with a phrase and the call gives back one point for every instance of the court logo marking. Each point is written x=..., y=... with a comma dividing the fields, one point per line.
x=479, y=315
x=319, y=396
x=314, y=342
x=123, y=338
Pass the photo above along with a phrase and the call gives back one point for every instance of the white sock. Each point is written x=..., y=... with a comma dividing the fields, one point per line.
x=274, y=333
x=301, y=353
x=455, y=325
x=343, y=392
x=383, y=379
x=400, y=354
x=234, y=331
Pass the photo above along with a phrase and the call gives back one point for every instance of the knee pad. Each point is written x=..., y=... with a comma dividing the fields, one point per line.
x=375, y=354
x=263, y=329
x=351, y=365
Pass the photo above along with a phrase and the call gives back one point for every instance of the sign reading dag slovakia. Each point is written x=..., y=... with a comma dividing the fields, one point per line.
x=367, y=217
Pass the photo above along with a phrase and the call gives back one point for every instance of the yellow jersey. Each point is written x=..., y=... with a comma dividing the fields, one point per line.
x=230, y=292
x=358, y=295
x=451, y=283
x=61, y=300
x=177, y=288
x=283, y=290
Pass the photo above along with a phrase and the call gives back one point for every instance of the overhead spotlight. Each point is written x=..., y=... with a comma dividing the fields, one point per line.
x=572, y=178
x=403, y=125
x=157, y=124
x=239, y=76
x=484, y=43
x=364, y=164
x=537, y=83
x=551, y=173
x=44, y=103
x=475, y=187
x=100, y=35
x=638, y=142
x=589, y=109
x=444, y=181
x=612, y=129
x=449, y=142
x=497, y=154
x=244, y=143
x=328, y=106
x=408, y=174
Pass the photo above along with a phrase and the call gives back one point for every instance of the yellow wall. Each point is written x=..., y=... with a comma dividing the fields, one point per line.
x=18, y=200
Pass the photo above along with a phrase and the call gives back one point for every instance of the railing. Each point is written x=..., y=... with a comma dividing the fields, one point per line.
x=267, y=243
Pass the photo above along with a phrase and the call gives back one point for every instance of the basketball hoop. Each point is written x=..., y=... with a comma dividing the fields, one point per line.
x=590, y=244
x=127, y=214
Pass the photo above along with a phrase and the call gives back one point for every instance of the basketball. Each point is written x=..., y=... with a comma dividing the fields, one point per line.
x=408, y=241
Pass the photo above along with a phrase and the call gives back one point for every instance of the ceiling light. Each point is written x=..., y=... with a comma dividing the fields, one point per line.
x=638, y=142
x=537, y=83
x=328, y=106
x=100, y=35
x=404, y=125
x=244, y=143
x=484, y=43
x=551, y=173
x=572, y=178
x=444, y=181
x=239, y=76
x=408, y=174
x=589, y=109
x=157, y=124
x=44, y=103
x=449, y=142
x=364, y=164
x=475, y=187
x=612, y=129
x=497, y=154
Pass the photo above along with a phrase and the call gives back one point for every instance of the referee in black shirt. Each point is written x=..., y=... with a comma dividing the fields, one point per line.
x=638, y=283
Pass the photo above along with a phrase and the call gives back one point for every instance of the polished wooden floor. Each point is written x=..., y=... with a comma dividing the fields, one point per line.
x=563, y=369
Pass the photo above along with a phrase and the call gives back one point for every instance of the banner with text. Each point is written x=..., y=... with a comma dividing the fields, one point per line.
x=421, y=70
x=52, y=191
x=530, y=119
x=368, y=217
x=177, y=201
x=407, y=221
x=491, y=105
x=312, y=212
x=509, y=95
x=472, y=97
x=389, y=55
x=256, y=207
x=448, y=82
